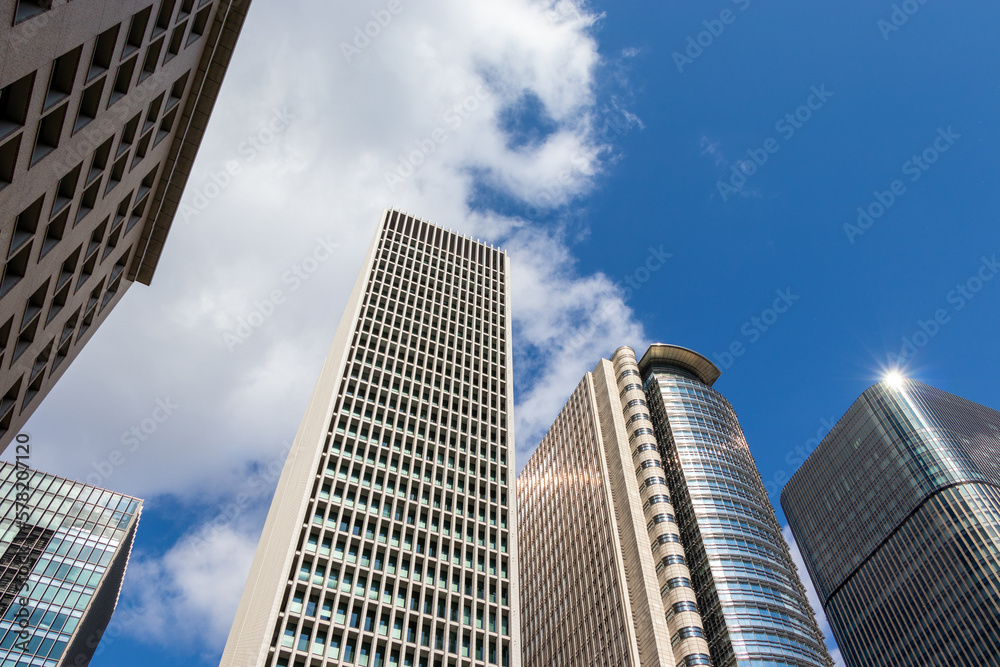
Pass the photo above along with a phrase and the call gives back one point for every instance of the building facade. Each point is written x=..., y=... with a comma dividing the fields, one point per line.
x=102, y=109
x=64, y=551
x=391, y=540
x=897, y=515
x=604, y=578
x=676, y=523
x=751, y=598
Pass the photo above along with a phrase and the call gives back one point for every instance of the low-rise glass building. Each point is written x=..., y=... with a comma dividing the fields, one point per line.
x=64, y=546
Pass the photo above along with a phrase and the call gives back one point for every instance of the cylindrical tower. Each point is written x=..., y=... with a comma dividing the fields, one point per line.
x=686, y=630
x=753, y=604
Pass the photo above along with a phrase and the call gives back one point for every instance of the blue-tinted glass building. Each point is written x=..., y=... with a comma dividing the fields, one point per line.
x=64, y=547
x=753, y=605
x=897, y=514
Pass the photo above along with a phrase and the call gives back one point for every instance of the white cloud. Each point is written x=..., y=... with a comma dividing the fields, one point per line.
x=192, y=591
x=352, y=121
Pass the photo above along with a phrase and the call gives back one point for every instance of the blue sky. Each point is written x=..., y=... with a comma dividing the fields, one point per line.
x=594, y=150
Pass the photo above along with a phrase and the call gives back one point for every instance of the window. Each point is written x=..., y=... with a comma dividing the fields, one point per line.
x=104, y=49
x=61, y=80
x=200, y=24
x=15, y=269
x=163, y=17
x=100, y=161
x=29, y=8
x=66, y=189
x=8, y=160
x=152, y=57
x=123, y=80
x=136, y=31
x=49, y=133
x=176, y=39
x=90, y=102
x=128, y=135
x=25, y=225
x=8, y=401
x=177, y=91
x=54, y=232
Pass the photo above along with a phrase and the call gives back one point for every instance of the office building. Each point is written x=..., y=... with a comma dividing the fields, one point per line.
x=897, y=515
x=64, y=552
x=601, y=558
x=102, y=109
x=645, y=531
x=391, y=538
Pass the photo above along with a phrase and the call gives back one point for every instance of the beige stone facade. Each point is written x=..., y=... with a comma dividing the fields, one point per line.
x=601, y=557
x=102, y=109
x=391, y=540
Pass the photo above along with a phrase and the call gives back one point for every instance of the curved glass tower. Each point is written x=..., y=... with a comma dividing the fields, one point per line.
x=754, y=607
x=897, y=513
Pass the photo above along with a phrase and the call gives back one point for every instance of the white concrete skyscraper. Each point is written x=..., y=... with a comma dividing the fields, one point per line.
x=391, y=537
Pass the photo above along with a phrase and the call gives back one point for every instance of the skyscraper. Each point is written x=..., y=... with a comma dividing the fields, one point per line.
x=102, y=109
x=645, y=531
x=751, y=598
x=604, y=579
x=389, y=540
x=65, y=546
x=897, y=514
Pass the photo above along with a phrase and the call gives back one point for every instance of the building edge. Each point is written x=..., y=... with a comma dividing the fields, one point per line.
x=249, y=638
x=223, y=36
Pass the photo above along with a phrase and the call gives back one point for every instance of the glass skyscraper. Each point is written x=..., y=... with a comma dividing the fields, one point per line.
x=65, y=546
x=391, y=538
x=897, y=514
x=646, y=533
x=752, y=601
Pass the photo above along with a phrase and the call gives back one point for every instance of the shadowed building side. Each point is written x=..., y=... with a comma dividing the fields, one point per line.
x=102, y=109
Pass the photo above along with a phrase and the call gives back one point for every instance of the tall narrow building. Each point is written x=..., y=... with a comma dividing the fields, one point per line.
x=897, y=515
x=604, y=578
x=102, y=109
x=64, y=547
x=751, y=598
x=390, y=540
x=646, y=536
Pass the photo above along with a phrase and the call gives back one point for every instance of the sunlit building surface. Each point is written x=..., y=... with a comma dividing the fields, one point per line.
x=646, y=533
x=64, y=553
x=604, y=579
x=391, y=537
x=897, y=514
x=103, y=106
x=751, y=598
